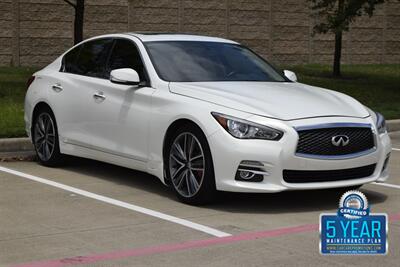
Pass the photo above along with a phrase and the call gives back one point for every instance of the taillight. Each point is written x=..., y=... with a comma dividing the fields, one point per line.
x=29, y=82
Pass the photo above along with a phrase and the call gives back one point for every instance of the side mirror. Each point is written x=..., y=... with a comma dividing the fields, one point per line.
x=125, y=76
x=290, y=75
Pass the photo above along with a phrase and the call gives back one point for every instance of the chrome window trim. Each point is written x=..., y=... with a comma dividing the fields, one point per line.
x=336, y=125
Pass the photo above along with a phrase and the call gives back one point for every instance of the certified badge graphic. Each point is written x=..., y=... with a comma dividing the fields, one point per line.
x=353, y=229
x=353, y=205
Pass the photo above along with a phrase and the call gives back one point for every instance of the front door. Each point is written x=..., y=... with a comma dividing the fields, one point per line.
x=119, y=113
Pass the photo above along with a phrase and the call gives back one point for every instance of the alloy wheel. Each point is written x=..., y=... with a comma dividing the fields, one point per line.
x=186, y=164
x=44, y=136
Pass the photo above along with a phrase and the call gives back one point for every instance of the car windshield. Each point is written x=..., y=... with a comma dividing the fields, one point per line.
x=194, y=61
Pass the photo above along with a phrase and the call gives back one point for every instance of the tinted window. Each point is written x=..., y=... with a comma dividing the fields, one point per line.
x=126, y=55
x=191, y=61
x=92, y=58
x=69, y=60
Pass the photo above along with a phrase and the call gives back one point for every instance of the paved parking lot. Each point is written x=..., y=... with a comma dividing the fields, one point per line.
x=95, y=214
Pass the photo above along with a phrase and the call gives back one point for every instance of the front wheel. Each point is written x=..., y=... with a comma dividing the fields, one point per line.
x=189, y=166
x=45, y=138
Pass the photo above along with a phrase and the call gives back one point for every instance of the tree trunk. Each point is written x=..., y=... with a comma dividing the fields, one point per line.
x=338, y=41
x=338, y=54
x=78, y=23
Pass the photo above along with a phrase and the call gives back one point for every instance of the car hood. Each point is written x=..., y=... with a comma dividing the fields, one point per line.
x=280, y=100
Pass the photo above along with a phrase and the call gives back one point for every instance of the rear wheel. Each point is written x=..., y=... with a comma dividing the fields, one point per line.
x=189, y=166
x=45, y=138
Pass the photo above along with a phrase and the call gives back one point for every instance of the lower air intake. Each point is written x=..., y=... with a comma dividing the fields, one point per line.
x=298, y=176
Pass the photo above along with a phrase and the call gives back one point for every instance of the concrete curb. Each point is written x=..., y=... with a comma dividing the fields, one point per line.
x=24, y=144
x=15, y=144
x=16, y=149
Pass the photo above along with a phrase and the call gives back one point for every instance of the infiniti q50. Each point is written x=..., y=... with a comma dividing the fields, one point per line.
x=203, y=115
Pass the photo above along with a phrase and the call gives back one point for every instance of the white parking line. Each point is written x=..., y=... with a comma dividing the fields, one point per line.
x=396, y=149
x=388, y=185
x=163, y=216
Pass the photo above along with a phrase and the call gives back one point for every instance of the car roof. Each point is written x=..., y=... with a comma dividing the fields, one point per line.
x=159, y=36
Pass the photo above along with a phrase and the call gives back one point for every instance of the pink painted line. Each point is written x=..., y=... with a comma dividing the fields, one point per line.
x=394, y=217
x=179, y=246
x=171, y=247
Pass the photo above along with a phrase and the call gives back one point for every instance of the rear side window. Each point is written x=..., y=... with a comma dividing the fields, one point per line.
x=126, y=55
x=89, y=59
x=69, y=60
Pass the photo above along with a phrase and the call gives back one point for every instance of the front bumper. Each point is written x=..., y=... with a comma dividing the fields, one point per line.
x=228, y=152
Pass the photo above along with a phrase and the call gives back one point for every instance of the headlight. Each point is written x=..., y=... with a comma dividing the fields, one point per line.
x=380, y=123
x=243, y=129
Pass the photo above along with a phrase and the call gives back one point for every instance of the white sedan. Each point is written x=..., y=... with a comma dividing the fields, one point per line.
x=202, y=114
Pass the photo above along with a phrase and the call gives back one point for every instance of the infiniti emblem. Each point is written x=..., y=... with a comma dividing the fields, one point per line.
x=340, y=140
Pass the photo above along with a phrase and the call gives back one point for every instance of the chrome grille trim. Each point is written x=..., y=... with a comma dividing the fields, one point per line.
x=336, y=125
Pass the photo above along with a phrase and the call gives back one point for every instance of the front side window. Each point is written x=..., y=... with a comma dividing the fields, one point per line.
x=125, y=55
x=92, y=58
x=195, y=61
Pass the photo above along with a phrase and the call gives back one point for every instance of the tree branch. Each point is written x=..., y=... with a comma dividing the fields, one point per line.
x=70, y=3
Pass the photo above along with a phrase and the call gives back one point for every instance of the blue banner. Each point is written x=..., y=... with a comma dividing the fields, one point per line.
x=365, y=235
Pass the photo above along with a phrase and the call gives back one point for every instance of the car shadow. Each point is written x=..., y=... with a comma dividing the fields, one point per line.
x=118, y=175
x=268, y=203
x=288, y=201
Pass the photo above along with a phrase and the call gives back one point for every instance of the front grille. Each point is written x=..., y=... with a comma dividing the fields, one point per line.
x=319, y=141
x=298, y=176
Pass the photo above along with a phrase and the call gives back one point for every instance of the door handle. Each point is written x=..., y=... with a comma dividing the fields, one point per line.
x=57, y=87
x=99, y=96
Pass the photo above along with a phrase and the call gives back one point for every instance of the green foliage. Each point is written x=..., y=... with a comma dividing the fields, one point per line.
x=376, y=86
x=12, y=93
x=337, y=15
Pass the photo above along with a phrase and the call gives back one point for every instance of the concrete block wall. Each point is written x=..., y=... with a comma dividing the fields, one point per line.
x=6, y=32
x=34, y=32
x=280, y=30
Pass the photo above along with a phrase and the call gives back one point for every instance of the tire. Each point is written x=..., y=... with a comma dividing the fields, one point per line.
x=45, y=138
x=189, y=166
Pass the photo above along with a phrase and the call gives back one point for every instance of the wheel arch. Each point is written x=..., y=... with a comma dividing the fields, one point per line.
x=207, y=189
x=41, y=105
x=169, y=133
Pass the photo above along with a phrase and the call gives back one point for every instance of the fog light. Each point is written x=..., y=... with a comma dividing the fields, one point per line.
x=251, y=171
x=246, y=175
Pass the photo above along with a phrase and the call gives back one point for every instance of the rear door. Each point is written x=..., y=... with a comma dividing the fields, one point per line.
x=81, y=76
